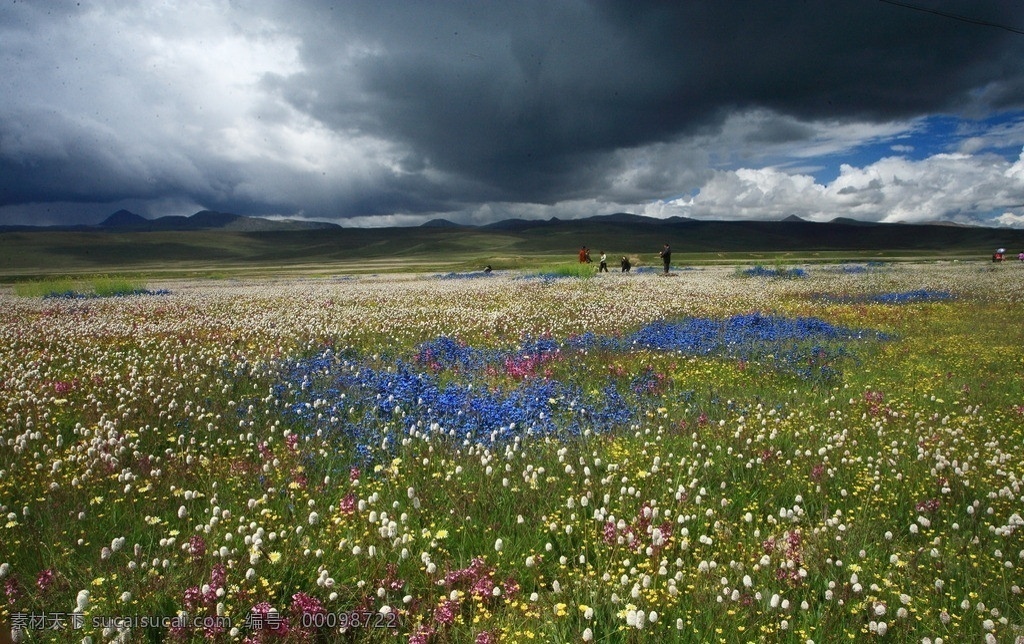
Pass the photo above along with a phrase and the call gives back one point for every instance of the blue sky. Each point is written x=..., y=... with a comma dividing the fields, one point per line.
x=1000, y=134
x=393, y=113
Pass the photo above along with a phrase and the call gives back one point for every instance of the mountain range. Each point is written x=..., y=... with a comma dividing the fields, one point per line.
x=617, y=232
x=127, y=221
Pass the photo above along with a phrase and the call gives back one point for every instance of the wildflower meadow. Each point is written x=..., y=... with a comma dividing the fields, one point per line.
x=722, y=455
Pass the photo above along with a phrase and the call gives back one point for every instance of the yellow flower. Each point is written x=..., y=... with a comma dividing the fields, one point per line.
x=274, y=557
x=441, y=534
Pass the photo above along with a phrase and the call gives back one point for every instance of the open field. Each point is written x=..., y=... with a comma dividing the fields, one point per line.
x=454, y=457
x=202, y=253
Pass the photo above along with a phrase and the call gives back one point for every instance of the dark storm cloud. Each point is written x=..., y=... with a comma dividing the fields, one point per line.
x=524, y=97
x=366, y=108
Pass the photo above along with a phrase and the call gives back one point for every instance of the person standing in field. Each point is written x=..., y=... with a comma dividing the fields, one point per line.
x=666, y=256
x=583, y=254
x=626, y=264
x=604, y=263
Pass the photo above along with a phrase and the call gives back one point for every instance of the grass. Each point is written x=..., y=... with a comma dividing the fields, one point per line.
x=47, y=254
x=577, y=270
x=109, y=286
x=276, y=442
x=98, y=286
x=43, y=288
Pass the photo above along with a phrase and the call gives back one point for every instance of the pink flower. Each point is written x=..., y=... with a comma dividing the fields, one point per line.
x=304, y=604
x=45, y=579
x=12, y=590
x=485, y=637
x=196, y=547
x=446, y=612
x=348, y=504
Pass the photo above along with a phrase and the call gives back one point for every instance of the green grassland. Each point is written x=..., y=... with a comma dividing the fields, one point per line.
x=33, y=254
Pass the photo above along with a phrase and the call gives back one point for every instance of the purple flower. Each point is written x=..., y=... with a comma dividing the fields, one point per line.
x=485, y=637
x=218, y=576
x=304, y=604
x=446, y=612
x=45, y=579
x=196, y=547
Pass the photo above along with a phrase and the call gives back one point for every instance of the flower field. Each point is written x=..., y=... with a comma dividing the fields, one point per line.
x=718, y=456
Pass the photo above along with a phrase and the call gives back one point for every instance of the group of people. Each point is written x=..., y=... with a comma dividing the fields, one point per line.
x=603, y=266
x=1000, y=254
x=665, y=254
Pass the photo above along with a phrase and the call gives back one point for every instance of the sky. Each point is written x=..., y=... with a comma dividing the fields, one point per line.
x=384, y=113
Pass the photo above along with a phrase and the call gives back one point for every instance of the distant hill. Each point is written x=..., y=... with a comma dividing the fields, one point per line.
x=622, y=218
x=123, y=218
x=212, y=219
x=849, y=221
x=440, y=223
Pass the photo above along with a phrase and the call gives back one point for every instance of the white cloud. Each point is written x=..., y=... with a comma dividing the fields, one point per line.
x=1010, y=220
x=957, y=187
x=158, y=99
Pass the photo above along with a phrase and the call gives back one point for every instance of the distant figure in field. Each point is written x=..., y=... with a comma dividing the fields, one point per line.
x=583, y=254
x=487, y=269
x=587, y=255
x=626, y=265
x=1021, y=257
x=604, y=263
x=666, y=256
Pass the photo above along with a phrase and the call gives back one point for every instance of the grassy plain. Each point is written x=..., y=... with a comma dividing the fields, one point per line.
x=455, y=457
x=48, y=253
